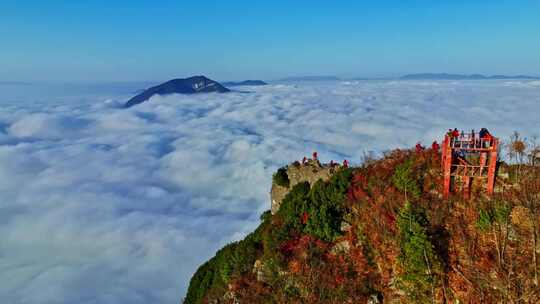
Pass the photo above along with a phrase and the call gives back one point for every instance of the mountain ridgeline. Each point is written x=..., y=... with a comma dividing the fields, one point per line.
x=202, y=84
x=383, y=233
x=245, y=83
x=446, y=76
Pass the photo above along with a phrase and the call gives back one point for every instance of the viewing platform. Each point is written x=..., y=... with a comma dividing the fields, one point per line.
x=467, y=156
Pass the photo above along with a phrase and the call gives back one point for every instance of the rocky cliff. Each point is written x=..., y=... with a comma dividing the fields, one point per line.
x=311, y=171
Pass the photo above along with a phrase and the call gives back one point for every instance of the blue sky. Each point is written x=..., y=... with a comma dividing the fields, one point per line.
x=156, y=40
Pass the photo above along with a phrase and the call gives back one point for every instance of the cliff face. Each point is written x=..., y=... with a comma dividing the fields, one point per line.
x=309, y=172
x=382, y=233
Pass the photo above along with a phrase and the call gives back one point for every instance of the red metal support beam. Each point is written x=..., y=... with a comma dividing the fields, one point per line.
x=466, y=187
x=445, y=146
x=492, y=166
x=483, y=160
x=447, y=167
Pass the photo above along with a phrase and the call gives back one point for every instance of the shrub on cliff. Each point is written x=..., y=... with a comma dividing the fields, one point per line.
x=326, y=209
x=287, y=222
x=317, y=210
x=281, y=178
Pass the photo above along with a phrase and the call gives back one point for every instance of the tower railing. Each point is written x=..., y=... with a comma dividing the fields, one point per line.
x=471, y=141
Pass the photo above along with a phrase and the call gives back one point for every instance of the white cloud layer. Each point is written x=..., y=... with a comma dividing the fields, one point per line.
x=106, y=205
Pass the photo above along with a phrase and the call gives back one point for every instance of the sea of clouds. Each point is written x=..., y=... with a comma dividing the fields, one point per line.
x=100, y=204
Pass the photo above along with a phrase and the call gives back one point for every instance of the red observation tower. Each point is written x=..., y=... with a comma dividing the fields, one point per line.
x=468, y=156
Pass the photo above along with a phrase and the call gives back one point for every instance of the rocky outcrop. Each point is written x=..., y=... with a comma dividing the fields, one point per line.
x=311, y=171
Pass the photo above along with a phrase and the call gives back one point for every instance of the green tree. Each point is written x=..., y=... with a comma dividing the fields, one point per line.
x=418, y=258
x=404, y=180
x=232, y=260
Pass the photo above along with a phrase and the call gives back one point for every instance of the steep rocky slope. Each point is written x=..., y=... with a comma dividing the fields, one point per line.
x=382, y=233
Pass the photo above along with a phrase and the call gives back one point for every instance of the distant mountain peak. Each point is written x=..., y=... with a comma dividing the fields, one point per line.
x=191, y=85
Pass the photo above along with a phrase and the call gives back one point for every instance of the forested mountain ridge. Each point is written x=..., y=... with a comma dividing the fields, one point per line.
x=382, y=233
